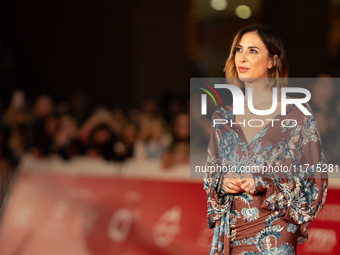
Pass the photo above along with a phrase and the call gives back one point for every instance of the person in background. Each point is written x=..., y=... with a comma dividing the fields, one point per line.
x=43, y=127
x=101, y=142
x=66, y=142
x=16, y=118
x=152, y=139
x=179, y=150
x=124, y=146
x=6, y=158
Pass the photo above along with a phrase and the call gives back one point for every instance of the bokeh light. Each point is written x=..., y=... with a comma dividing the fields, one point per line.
x=218, y=5
x=243, y=11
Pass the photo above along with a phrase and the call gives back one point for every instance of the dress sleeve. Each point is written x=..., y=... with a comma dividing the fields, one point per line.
x=218, y=201
x=300, y=195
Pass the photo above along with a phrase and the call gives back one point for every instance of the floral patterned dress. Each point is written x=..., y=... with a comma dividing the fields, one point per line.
x=275, y=219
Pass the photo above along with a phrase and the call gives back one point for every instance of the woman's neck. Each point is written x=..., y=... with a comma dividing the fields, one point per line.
x=261, y=93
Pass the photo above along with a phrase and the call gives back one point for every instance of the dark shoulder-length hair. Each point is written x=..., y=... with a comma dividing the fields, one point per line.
x=274, y=45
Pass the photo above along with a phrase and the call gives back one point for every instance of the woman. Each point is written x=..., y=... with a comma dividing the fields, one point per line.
x=253, y=213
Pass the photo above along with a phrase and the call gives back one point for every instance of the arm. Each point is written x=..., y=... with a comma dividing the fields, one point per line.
x=101, y=116
x=298, y=197
x=218, y=202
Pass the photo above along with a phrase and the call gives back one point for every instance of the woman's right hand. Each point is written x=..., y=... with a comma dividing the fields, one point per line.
x=232, y=183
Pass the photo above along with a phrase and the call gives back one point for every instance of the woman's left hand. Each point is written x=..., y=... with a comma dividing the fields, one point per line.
x=248, y=184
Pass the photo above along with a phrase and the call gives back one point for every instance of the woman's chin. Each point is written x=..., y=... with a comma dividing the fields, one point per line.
x=246, y=78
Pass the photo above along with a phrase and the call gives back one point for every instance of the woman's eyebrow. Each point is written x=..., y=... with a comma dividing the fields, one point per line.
x=250, y=47
x=253, y=47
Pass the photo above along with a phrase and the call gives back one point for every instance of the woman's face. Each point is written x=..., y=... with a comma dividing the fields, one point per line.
x=252, y=57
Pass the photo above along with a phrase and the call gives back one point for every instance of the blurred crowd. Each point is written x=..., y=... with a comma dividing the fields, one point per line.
x=71, y=129
x=155, y=130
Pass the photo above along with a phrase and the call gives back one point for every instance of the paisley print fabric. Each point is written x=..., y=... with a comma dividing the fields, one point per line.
x=276, y=218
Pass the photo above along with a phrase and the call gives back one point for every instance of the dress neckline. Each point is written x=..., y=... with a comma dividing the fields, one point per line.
x=266, y=127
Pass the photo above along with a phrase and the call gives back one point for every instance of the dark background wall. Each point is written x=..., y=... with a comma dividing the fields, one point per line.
x=304, y=26
x=63, y=45
x=122, y=52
